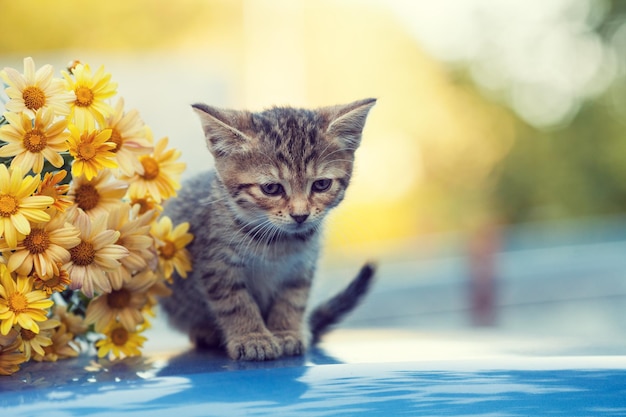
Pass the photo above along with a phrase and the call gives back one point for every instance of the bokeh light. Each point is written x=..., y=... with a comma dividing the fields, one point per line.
x=488, y=113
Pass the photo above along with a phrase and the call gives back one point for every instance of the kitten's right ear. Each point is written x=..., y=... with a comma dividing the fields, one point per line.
x=347, y=122
x=222, y=129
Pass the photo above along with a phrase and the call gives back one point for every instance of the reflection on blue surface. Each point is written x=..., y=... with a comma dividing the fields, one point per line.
x=191, y=385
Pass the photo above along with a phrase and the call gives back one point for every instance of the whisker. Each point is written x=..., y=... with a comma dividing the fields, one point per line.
x=336, y=151
x=207, y=201
x=261, y=241
x=338, y=160
x=252, y=235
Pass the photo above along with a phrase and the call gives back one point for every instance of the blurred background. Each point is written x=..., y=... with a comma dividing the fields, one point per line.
x=491, y=180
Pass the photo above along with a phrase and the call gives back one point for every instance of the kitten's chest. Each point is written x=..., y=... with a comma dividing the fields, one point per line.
x=266, y=276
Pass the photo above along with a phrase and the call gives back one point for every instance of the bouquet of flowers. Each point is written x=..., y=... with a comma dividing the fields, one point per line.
x=84, y=249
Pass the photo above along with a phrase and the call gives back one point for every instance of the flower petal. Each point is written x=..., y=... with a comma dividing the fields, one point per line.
x=20, y=222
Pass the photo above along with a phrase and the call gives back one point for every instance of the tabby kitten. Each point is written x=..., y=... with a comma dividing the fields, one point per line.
x=256, y=220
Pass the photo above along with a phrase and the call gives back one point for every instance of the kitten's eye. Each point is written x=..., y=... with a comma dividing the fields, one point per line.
x=272, y=189
x=321, y=185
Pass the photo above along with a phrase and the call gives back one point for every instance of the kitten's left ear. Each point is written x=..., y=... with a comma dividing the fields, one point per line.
x=346, y=122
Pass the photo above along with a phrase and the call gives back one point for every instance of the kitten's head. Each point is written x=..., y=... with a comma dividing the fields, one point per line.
x=285, y=167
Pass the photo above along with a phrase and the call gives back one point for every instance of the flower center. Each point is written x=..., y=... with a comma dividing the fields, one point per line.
x=52, y=281
x=83, y=254
x=34, y=141
x=8, y=205
x=27, y=335
x=37, y=241
x=87, y=197
x=84, y=96
x=119, y=336
x=119, y=298
x=55, y=283
x=86, y=151
x=49, y=191
x=150, y=168
x=168, y=250
x=18, y=302
x=144, y=204
x=33, y=97
x=117, y=139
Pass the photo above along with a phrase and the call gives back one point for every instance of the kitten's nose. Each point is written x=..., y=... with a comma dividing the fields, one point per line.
x=299, y=218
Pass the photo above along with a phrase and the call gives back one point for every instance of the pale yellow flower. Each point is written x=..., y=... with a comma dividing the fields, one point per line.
x=130, y=137
x=36, y=342
x=20, y=304
x=91, y=91
x=42, y=249
x=96, y=254
x=91, y=151
x=58, y=282
x=98, y=195
x=74, y=324
x=119, y=342
x=144, y=204
x=134, y=236
x=171, y=244
x=10, y=355
x=124, y=305
x=51, y=186
x=62, y=346
x=31, y=142
x=36, y=90
x=161, y=173
x=18, y=206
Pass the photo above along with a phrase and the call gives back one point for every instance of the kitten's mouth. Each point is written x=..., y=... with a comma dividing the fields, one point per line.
x=300, y=228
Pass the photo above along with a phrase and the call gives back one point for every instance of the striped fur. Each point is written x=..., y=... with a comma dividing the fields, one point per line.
x=256, y=221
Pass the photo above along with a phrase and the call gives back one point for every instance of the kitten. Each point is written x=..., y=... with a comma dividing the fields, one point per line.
x=256, y=220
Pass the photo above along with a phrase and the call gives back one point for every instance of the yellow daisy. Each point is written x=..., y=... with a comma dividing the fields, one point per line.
x=51, y=186
x=123, y=305
x=58, y=282
x=36, y=90
x=17, y=206
x=130, y=137
x=30, y=143
x=170, y=245
x=10, y=355
x=144, y=204
x=97, y=195
x=119, y=342
x=91, y=91
x=134, y=236
x=62, y=346
x=91, y=151
x=43, y=248
x=96, y=254
x=35, y=342
x=20, y=304
x=161, y=173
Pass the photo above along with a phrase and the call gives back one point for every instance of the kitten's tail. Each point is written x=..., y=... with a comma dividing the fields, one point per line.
x=335, y=309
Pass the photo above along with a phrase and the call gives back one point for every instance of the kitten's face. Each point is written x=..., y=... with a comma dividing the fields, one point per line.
x=291, y=192
x=286, y=168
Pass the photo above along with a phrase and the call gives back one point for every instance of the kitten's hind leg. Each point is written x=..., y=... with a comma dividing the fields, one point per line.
x=205, y=337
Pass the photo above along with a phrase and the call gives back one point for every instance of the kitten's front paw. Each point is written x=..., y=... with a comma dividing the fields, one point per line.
x=292, y=342
x=254, y=347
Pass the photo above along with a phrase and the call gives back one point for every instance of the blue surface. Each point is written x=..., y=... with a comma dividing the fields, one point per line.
x=206, y=384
